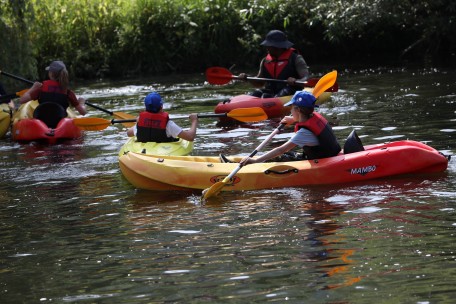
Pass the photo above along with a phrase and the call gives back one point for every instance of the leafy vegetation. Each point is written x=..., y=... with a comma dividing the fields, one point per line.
x=119, y=38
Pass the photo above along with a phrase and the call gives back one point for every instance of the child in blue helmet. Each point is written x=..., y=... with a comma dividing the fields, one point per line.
x=154, y=125
x=313, y=133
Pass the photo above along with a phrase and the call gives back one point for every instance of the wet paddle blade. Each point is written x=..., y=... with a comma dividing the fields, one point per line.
x=121, y=115
x=324, y=83
x=218, y=75
x=91, y=123
x=248, y=114
x=312, y=82
x=217, y=187
x=213, y=190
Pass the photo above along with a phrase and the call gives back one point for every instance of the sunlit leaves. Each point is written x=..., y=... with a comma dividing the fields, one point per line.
x=120, y=37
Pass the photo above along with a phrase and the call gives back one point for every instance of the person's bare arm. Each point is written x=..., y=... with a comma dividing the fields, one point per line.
x=81, y=106
x=271, y=154
x=28, y=95
x=190, y=134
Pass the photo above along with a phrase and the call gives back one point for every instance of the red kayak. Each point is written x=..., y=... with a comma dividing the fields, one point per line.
x=50, y=128
x=272, y=106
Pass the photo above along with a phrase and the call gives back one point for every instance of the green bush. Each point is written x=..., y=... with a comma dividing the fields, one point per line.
x=123, y=38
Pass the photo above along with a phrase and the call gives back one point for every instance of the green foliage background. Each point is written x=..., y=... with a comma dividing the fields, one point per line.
x=131, y=38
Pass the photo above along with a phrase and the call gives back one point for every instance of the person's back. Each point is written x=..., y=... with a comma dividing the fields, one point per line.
x=55, y=90
x=154, y=125
x=281, y=63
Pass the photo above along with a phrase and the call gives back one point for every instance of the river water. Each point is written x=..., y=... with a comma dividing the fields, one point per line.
x=74, y=230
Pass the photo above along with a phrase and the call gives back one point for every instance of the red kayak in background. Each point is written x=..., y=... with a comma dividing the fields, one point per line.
x=273, y=107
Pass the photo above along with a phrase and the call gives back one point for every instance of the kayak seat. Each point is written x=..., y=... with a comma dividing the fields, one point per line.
x=50, y=113
x=224, y=159
x=353, y=143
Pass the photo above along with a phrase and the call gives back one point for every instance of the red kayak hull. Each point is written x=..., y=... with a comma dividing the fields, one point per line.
x=273, y=107
x=32, y=129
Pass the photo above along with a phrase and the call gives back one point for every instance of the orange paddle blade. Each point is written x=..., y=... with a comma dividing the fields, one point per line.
x=324, y=83
x=248, y=114
x=122, y=115
x=91, y=123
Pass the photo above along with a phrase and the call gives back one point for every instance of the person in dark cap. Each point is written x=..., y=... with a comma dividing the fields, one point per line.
x=55, y=90
x=312, y=133
x=154, y=125
x=282, y=62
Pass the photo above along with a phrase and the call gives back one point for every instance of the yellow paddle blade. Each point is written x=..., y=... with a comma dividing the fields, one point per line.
x=91, y=123
x=248, y=114
x=213, y=190
x=217, y=187
x=122, y=115
x=324, y=83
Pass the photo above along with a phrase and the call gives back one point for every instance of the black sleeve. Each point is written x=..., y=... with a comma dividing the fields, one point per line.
x=2, y=90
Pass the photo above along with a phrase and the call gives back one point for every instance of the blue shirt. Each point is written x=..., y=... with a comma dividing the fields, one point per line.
x=304, y=137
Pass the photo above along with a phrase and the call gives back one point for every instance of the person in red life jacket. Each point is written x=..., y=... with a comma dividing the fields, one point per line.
x=282, y=62
x=55, y=90
x=312, y=132
x=154, y=125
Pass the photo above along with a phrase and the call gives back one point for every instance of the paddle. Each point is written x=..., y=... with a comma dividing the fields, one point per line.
x=120, y=115
x=6, y=98
x=220, y=76
x=323, y=84
x=16, y=77
x=241, y=114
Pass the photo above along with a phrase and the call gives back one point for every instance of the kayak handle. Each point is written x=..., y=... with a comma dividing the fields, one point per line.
x=269, y=171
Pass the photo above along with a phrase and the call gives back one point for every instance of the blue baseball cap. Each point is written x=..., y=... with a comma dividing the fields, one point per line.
x=153, y=102
x=302, y=99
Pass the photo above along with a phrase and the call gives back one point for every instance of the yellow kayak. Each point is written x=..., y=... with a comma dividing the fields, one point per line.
x=199, y=172
x=5, y=119
x=181, y=147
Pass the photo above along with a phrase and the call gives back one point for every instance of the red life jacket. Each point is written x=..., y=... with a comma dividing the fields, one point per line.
x=51, y=91
x=152, y=127
x=319, y=126
x=280, y=68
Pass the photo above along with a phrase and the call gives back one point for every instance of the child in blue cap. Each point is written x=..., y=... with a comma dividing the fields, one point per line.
x=154, y=125
x=312, y=132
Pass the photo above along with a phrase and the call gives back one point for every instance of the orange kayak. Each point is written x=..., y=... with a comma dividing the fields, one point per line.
x=199, y=172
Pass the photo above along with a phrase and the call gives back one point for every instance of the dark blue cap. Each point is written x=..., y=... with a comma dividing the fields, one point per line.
x=153, y=102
